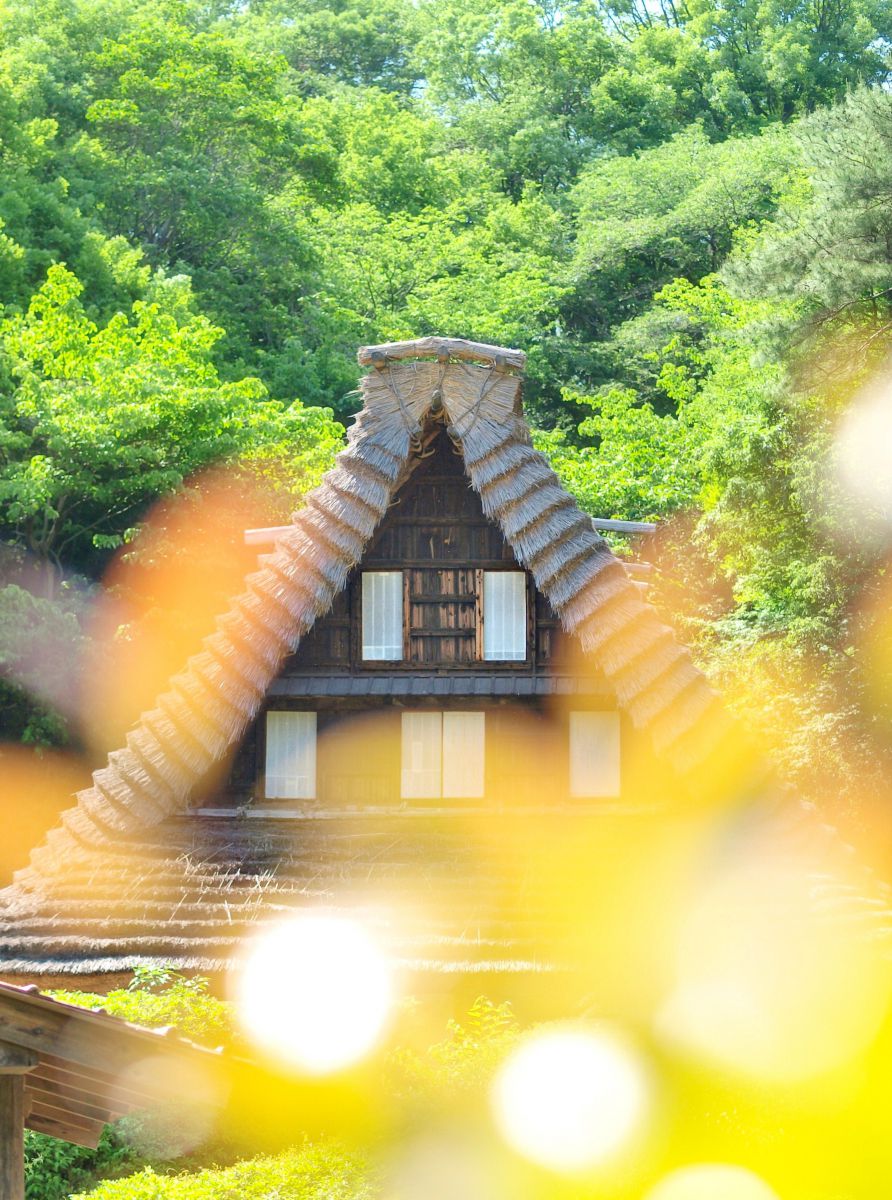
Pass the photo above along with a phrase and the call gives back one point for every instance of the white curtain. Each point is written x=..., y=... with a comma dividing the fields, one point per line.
x=504, y=615
x=594, y=754
x=382, y=615
x=290, y=755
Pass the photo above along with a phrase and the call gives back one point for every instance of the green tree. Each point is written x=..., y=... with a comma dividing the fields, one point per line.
x=326, y=41
x=98, y=422
x=481, y=267
x=669, y=212
x=828, y=256
x=514, y=79
x=786, y=58
x=191, y=139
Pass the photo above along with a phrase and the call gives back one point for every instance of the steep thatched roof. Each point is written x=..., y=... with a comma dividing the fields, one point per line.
x=208, y=707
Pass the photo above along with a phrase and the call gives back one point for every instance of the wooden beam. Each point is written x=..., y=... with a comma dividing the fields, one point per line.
x=262, y=537
x=478, y=615
x=615, y=526
x=66, y=1132
x=12, y=1137
x=441, y=347
x=111, y=1091
x=407, y=616
x=265, y=537
x=16, y=1059
x=52, y=1110
x=71, y=1100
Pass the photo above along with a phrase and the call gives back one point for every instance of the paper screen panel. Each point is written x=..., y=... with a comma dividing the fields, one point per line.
x=422, y=755
x=464, y=738
x=594, y=754
x=290, y=755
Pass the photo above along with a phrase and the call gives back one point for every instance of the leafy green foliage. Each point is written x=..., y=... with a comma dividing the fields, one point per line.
x=159, y=996
x=827, y=256
x=97, y=422
x=41, y=642
x=772, y=61
x=156, y=997
x=358, y=44
x=53, y=1169
x=671, y=212
x=317, y=1172
x=463, y=1063
x=639, y=465
x=459, y=1067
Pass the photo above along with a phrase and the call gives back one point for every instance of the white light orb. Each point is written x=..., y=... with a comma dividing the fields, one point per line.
x=315, y=992
x=712, y=1181
x=571, y=1097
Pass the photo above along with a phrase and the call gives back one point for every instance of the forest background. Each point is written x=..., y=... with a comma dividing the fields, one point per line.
x=682, y=212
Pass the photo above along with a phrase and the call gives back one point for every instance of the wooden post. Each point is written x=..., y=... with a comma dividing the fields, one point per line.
x=14, y=1062
x=478, y=615
x=12, y=1137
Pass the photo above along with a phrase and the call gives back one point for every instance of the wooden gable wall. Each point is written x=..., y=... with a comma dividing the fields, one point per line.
x=437, y=534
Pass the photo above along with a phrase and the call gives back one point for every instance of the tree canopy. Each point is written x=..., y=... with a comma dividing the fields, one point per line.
x=679, y=210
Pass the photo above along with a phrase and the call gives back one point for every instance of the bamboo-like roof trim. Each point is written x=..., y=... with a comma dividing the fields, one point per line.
x=476, y=389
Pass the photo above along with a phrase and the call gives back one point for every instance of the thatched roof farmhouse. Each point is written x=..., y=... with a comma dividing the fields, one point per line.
x=439, y=587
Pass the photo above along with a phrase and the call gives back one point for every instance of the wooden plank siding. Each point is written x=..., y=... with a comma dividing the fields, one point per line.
x=436, y=533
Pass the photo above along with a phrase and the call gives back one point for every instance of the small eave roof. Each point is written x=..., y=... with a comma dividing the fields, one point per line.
x=91, y=1068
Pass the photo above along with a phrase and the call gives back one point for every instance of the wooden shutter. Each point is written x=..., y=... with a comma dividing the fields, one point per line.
x=422, y=755
x=504, y=615
x=382, y=615
x=290, y=755
x=464, y=736
x=594, y=754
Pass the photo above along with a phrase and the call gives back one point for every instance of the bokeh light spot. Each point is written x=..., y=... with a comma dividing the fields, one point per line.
x=570, y=1098
x=768, y=985
x=862, y=462
x=712, y=1181
x=316, y=992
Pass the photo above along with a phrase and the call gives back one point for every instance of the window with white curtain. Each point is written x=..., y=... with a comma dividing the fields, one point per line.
x=504, y=616
x=594, y=754
x=382, y=615
x=290, y=755
x=442, y=755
